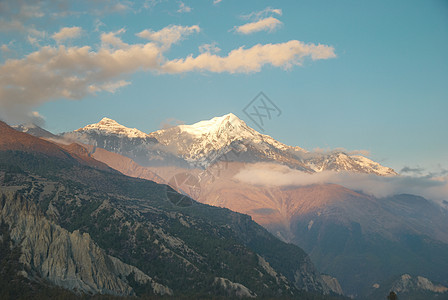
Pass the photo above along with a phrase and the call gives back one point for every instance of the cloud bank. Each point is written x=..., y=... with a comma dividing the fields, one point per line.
x=55, y=72
x=266, y=174
x=250, y=60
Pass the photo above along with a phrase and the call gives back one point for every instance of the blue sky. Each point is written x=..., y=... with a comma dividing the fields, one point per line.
x=359, y=75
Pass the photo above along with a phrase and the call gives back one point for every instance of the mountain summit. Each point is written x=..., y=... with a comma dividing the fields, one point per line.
x=226, y=137
x=228, y=122
x=109, y=126
x=230, y=138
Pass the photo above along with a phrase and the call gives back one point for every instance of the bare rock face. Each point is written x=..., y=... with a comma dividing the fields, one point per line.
x=333, y=284
x=278, y=277
x=407, y=284
x=234, y=289
x=307, y=278
x=70, y=260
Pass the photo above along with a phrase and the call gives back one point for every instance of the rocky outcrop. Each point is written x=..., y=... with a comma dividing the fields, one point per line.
x=407, y=284
x=307, y=278
x=234, y=289
x=267, y=267
x=71, y=260
x=333, y=284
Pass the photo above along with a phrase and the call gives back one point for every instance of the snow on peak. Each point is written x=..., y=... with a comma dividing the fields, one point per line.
x=109, y=126
x=214, y=125
x=107, y=121
x=372, y=165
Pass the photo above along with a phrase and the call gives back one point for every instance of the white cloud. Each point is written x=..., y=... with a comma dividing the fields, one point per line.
x=119, y=7
x=110, y=87
x=5, y=48
x=71, y=73
x=268, y=11
x=33, y=41
x=110, y=39
x=169, y=35
x=261, y=21
x=67, y=33
x=35, y=36
x=15, y=14
x=266, y=174
x=217, y=1
x=183, y=8
x=241, y=60
x=210, y=48
x=29, y=11
x=150, y=4
x=37, y=119
x=97, y=25
x=266, y=24
x=170, y=122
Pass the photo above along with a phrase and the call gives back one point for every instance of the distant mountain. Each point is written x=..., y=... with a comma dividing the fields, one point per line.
x=13, y=140
x=339, y=161
x=229, y=138
x=130, y=142
x=91, y=229
x=34, y=130
x=225, y=138
x=357, y=238
x=410, y=288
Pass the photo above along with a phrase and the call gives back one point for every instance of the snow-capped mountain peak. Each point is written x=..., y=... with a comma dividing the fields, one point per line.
x=208, y=141
x=109, y=126
x=228, y=123
x=340, y=161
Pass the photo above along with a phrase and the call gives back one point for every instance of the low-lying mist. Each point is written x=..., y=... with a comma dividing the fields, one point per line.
x=267, y=174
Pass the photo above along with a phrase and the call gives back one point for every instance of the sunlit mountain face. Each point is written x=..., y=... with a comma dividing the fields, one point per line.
x=356, y=236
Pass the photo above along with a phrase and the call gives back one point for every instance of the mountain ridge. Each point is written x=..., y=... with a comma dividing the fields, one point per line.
x=221, y=138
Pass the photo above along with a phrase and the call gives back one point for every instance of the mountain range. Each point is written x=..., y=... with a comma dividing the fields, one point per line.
x=207, y=142
x=362, y=240
x=78, y=224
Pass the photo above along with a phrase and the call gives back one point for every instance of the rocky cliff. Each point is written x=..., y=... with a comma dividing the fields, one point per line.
x=68, y=259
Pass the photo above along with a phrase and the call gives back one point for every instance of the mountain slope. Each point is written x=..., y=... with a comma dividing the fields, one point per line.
x=15, y=141
x=359, y=239
x=191, y=250
x=35, y=130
